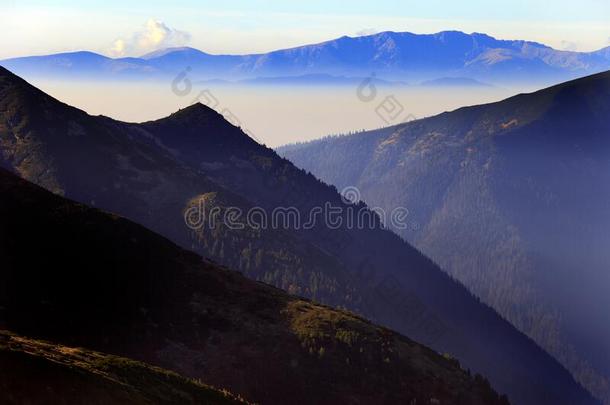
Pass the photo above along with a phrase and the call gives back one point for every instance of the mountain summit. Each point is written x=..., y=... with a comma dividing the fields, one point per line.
x=391, y=55
x=199, y=115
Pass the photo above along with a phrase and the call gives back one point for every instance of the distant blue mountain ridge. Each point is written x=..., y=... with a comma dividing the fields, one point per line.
x=396, y=56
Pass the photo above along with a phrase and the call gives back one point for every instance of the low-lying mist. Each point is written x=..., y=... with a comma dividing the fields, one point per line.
x=274, y=115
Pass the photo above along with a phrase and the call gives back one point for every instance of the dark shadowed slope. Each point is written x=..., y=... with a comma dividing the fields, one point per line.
x=513, y=199
x=82, y=277
x=37, y=372
x=155, y=172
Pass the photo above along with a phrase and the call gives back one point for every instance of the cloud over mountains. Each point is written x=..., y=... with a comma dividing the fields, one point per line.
x=155, y=35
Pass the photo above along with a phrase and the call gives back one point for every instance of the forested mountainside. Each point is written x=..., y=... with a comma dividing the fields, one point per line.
x=155, y=173
x=510, y=198
x=81, y=277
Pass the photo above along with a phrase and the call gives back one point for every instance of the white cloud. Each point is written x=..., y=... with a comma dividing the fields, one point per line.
x=118, y=48
x=155, y=35
x=367, y=31
x=569, y=46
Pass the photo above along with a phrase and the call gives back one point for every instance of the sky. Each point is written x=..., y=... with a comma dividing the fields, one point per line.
x=132, y=28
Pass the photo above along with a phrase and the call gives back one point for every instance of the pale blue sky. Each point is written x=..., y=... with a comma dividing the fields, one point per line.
x=114, y=27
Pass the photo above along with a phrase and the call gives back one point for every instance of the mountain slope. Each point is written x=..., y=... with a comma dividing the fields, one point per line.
x=79, y=276
x=156, y=172
x=79, y=65
x=392, y=55
x=512, y=200
x=36, y=372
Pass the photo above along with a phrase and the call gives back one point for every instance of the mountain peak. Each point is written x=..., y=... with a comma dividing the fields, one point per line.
x=199, y=123
x=167, y=51
x=451, y=33
x=196, y=112
x=393, y=55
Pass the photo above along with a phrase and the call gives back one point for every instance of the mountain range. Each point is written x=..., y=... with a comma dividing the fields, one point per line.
x=400, y=56
x=85, y=278
x=156, y=173
x=510, y=198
